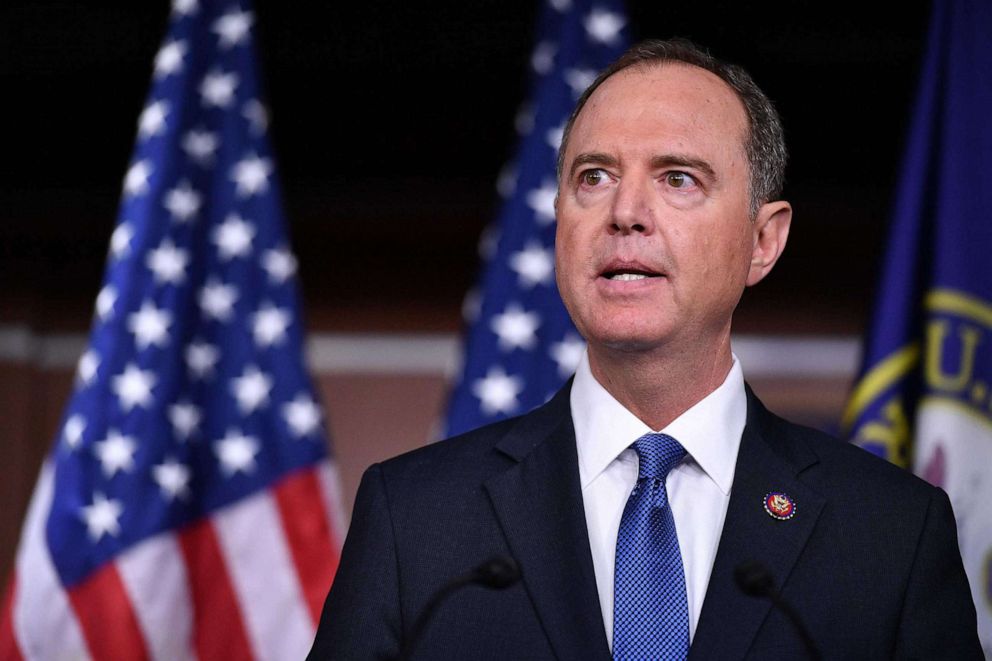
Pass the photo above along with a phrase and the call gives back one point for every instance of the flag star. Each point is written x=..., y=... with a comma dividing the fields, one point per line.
x=150, y=325
x=542, y=202
x=579, y=80
x=185, y=7
x=136, y=179
x=102, y=517
x=543, y=58
x=116, y=453
x=105, y=302
x=201, y=358
x=236, y=453
x=471, y=305
x=182, y=202
x=515, y=328
x=280, y=264
x=169, y=59
x=302, y=415
x=567, y=354
x=233, y=237
x=251, y=389
x=232, y=28
x=133, y=387
x=72, y=432
x=603, y=26
x=257, y=116
x=200, y=145
x=185, y=418
x=89, y=362
x=523, y=121
x=151, y=122
x=120, y=240
x=168, y=263
x=489, y=241
x=217, y=88
x=251, y=174
x=533, y=265
x=217, y=299
x=497, y=392
x=269, y=325
x=506, y=182
x=173, y=479
x=554, y=135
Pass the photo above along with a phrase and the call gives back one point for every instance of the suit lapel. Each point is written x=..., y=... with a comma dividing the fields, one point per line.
x=768, y=461
x=538, y=502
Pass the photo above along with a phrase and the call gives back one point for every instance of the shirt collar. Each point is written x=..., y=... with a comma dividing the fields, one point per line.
x=710, y=431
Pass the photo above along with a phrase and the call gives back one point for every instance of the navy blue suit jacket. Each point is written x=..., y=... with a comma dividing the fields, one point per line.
x=870, y=559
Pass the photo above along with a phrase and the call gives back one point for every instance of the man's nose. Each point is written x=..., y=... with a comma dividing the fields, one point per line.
x=632, y=211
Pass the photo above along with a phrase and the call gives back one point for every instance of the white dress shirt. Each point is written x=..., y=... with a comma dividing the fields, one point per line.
x=698, y=488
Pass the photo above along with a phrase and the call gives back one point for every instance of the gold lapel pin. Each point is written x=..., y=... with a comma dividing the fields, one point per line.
x=780, y=506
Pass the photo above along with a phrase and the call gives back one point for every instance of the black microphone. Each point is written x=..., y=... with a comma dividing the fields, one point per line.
x=497, y=573
x=755, y=580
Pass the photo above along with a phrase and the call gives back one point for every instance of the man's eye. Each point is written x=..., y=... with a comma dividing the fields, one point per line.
x=593, y=177
x=679, y=180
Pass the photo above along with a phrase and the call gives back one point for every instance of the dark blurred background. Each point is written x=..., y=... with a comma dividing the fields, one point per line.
x=391, y=121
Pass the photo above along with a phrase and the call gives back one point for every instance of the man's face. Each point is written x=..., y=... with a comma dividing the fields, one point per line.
x=654, y=240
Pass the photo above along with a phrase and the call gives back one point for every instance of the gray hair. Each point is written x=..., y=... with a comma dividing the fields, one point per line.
x=764, y=143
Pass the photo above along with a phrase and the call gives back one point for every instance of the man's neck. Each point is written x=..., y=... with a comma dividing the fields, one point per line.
x=660, y=385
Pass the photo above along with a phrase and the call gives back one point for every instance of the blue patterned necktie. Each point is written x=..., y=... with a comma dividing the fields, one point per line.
x=650, y=609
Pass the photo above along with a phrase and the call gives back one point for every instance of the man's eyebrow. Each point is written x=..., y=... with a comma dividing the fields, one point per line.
x=596, y=158
x=682, y=161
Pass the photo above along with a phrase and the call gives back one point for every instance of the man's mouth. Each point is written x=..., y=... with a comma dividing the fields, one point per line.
x=629, y=272
x=627, y=276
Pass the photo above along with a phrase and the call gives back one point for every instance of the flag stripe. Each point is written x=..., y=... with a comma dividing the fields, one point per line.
x=276, y=619
x=307, y=528
x=44, y=624
x=330, y=493
x=102, y=599
x=218, y=628
x=155, y=578
x=8, y=644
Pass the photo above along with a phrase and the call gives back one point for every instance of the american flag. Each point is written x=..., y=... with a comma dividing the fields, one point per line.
x=188, y=507
x=520, y=345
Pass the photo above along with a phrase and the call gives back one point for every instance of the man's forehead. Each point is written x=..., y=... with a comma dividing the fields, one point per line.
x=672, y=90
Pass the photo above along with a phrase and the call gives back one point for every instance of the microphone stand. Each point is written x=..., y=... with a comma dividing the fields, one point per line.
x=755, y=580
x=497, y=573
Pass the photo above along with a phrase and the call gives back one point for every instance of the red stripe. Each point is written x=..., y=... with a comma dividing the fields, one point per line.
x=9, y=651
x=105, y=616
x=218, y=626
x=305, y=521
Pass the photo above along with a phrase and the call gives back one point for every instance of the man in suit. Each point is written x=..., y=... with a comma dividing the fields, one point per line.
x=631, y=497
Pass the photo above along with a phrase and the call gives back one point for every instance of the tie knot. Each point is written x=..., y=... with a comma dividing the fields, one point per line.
x=657, y=454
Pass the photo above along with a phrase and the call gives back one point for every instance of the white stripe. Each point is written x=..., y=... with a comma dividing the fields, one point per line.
x=438, y=353
x=330, y=491
x=44, y=624
x=254, y=547
x=154, y=576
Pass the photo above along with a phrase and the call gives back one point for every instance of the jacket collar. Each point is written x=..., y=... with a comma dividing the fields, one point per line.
x=771, y=458
x=538, y=502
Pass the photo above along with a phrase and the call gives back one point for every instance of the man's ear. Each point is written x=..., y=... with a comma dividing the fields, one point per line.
x=770, y=232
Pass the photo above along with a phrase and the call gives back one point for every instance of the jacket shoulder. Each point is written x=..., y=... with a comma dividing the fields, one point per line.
x=841, y=466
